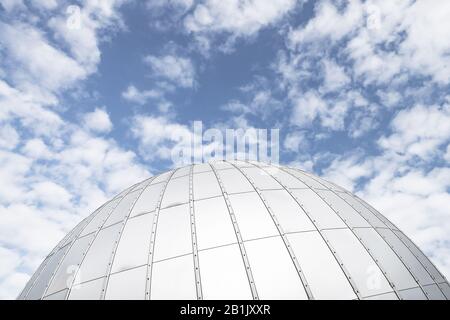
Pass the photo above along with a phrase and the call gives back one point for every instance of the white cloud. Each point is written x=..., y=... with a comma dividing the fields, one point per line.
x=48, y=189
x=165, y=14
x=295, y=141
x=236, y=107
x=49, y=194
x=307, y=108
x=361, y=124
x=425, y=49
x=236, y=16
x=407, y=192
x=306, y=165
x=418, y=183
x=178, y=70
x=383, y=39
x=375, y=45
x=29, y=109
x=80, y=28
x=97, y=120
x=347, y=171
x=335, y=76
x=447, y=154
x=329, y=23
x=36, y=149
x=389, y=98
x=9, y=137
x=141, y=97
x=261, y=103
x=419, y=131
x=158, y=136
x=46, y=4
x=8, y=287
x=38, y=63
x=311, y=106
x=13, y=169
x=10, y=260
x=57, y=171
x=10, y=5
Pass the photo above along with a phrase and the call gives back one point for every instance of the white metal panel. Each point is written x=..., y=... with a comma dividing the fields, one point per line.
x=133, y=247
x=75, y=233
x=322, y=214
x=61, y=295
x=223, y=274
x=362, y=268
x=351, y=217
x=69, y=265
x=377, y=214
x=90, y=290
x=286, y=179
x=140, y=185
x=36, y=274
x=100, y=216
x=253, y=219
x=328, y=184
x=288, y=212
x=147, y=200
x=234, y=181
x=95, y=263
x=433, y=292
x=437, y=276
x=174, y=279
x=395, y=270
x=366, y=213
x=202, y=167
x=384, y=296
x=173, y=235
x=412, y=294
x=445, y=288
x=177, y=192
x=123, y=209
x=206, y=185
x=127, y=285
x=213, y=223
x=273, y=270
x=124, y=192
x=323, y=273
x=409, y=259
x=162, y=177
x=241, y=164
x=181, y=172
x=261, y=179
x=219, y=165
x=39, y=286
x=310, y=182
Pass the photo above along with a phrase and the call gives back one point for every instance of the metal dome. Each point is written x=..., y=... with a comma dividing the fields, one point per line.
x=236, y=230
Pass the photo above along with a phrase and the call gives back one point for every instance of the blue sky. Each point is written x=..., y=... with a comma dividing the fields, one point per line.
x=95, y=94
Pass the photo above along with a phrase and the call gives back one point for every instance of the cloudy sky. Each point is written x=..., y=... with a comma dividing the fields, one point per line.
x=94, y=95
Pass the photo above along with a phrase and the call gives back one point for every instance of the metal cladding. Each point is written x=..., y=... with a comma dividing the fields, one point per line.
x=236, y=230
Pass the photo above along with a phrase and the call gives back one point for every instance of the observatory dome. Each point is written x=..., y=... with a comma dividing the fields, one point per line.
x=236, y=230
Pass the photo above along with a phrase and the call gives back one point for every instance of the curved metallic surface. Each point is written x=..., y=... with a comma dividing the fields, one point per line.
x=236, y=230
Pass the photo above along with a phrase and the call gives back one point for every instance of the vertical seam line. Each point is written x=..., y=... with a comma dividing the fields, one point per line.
x=152, y=239
x=325, y=239
x=281, y=232
x=119, y=236
x=198, y=282
x=237, y=232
